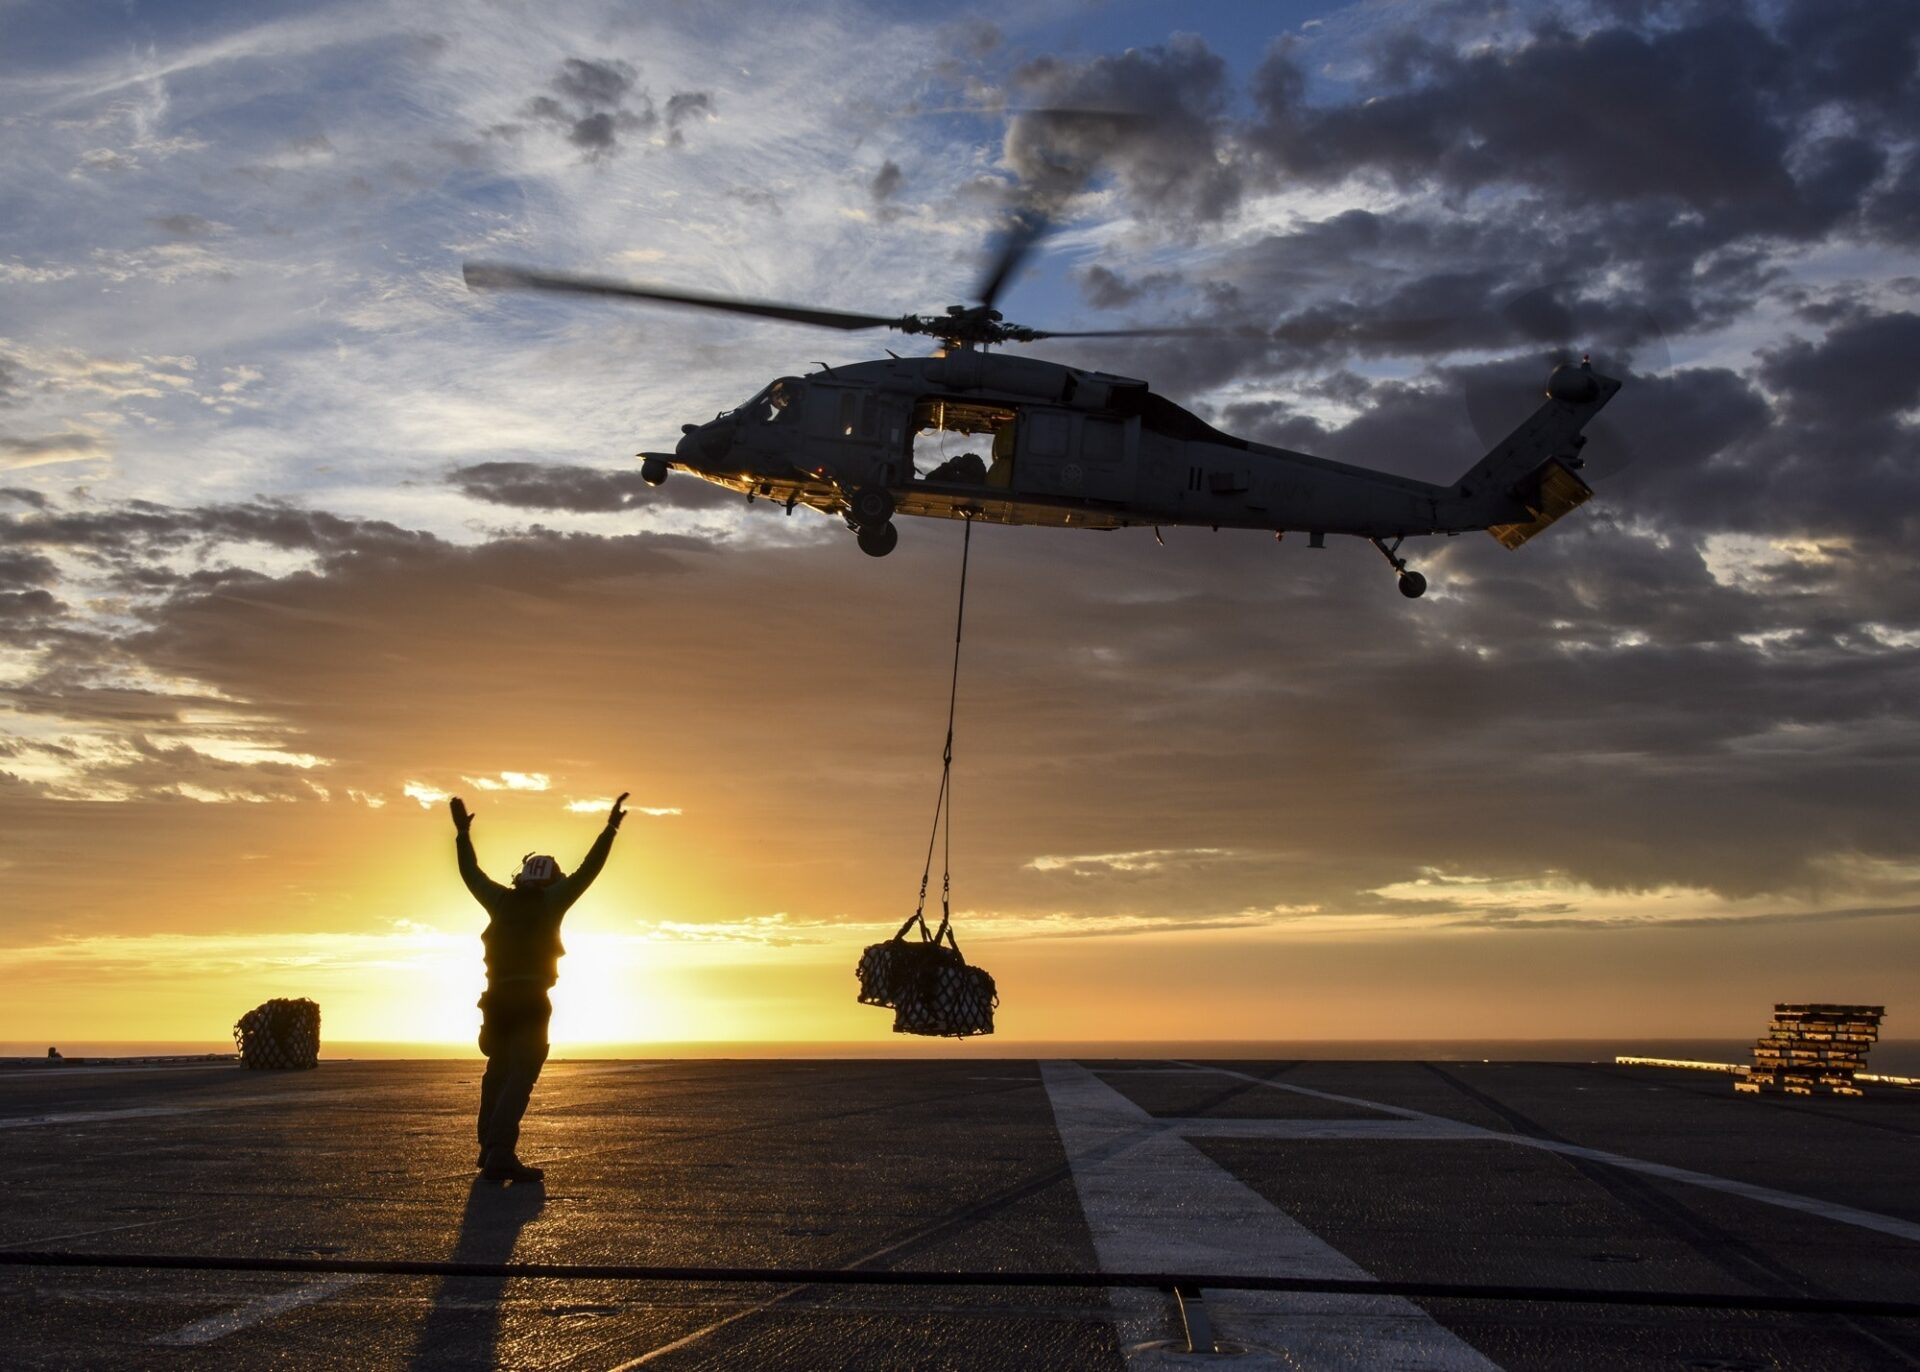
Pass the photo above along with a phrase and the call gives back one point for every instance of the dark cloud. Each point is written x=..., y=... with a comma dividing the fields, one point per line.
x=598, y=104
x=1152, y=118
x=1863, y=370
x=1703, y=116
x=886, y=182
x=1105, y=289
x=682, y=109
x=19, y=570
x=184, y=225
x=9, y=383
x=583, y=490
x=1648, y=173
x=595, y=85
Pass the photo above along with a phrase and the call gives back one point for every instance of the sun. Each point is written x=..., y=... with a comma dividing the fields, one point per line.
x=613, y=991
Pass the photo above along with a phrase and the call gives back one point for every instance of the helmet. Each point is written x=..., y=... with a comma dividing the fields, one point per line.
x=537, y=869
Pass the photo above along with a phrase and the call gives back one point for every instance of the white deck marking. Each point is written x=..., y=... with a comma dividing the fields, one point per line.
x=346, y=1094
x=1765, y=1195
x=84, y=1233
x=1155, y=1203
x=253, y=1312
x=99, y=1116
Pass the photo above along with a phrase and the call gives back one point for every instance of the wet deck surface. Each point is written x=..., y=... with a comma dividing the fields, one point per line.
x=1540, y=1174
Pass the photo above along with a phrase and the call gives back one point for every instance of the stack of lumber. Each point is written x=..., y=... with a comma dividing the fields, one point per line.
x=1813, y=1048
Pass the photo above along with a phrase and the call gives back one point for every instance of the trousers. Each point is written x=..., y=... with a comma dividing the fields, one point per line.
x=513, y=1035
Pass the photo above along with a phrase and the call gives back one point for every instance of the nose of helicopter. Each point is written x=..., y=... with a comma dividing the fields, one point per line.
x=704, y=442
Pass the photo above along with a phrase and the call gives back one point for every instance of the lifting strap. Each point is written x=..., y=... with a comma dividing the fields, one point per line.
x=943, y=803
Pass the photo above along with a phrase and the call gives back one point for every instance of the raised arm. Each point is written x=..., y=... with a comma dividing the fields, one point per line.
x=596, y=857
x=484, y=890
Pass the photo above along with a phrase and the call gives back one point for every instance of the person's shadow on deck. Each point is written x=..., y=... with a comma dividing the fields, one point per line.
x=462, y=1327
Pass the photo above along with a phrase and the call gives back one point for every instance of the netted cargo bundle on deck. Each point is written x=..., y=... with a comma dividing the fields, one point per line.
x=282, y=1035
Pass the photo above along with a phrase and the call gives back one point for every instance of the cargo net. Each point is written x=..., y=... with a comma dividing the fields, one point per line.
x=927, y=984
x=282, y=1035
x=1813, y=1049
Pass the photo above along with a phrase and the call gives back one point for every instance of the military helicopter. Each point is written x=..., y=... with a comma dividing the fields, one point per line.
x=1070, y=448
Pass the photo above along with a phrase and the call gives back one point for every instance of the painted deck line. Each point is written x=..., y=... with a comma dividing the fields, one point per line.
x=147, y=1112
x=49, y=1239
x=215, y=1327
x=1890, y=1225
x=1204, y=1127
x=102, y=1116
x=1154, y=1202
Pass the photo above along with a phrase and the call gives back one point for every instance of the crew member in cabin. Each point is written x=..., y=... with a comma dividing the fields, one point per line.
x=523, y=952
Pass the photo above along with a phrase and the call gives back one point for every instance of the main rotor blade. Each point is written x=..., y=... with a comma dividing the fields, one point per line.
x=1028, y=227
x=498, y=276
x=1174, y=332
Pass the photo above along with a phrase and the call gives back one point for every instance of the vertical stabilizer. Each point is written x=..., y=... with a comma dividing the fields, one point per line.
x=1528, y=480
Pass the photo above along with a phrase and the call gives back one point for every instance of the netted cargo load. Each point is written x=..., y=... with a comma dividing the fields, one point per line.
x=947, y=999
x=927, y=983
x=883, y=968
x=282, y=1035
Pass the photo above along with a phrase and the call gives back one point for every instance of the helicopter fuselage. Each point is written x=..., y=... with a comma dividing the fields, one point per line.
x=1061, y=446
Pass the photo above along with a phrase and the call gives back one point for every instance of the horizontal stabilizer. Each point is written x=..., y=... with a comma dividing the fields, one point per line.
x=1548, y=493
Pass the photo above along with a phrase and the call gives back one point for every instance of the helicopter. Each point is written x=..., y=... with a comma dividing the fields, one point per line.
x=1068, y=447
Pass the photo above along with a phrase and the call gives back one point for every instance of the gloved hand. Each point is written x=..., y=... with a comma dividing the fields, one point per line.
x=462, y=817
x=616, y=814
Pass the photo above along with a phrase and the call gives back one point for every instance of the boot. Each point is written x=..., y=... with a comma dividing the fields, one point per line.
x=508, y=1168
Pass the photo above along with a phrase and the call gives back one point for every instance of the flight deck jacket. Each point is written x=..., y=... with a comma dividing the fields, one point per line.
x=522, y=937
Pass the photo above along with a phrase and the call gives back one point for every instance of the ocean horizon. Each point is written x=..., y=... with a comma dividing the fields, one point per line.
x=1896, y=1057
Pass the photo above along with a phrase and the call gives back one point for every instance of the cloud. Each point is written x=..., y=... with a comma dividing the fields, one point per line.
x=108, y=161
x=683, y=107
x=1728, y=96
x=1105, y=289
x=601, y=807
x=769, y=931
x=511, y=781
x=886, y=182
x=580, y=490
x=1153, y=118
x=185, y=225
x=1144, y=860
x=16, y=453
x=598, y=103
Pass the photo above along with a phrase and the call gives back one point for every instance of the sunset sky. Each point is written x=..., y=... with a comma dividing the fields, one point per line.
x=298, y=536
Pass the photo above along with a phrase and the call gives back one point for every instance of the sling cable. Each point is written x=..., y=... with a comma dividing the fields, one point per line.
x=929, y=986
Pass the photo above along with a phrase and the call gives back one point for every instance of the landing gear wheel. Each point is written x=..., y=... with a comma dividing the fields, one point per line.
x=870, y=507
x=1412, y=585
x=877, y=541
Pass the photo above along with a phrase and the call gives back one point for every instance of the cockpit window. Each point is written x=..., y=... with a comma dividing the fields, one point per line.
x=779, y=402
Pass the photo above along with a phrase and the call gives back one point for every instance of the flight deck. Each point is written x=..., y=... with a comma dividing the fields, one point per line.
x=1527, y=1175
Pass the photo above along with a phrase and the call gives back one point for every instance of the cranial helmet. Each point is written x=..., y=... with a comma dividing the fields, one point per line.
x=537, y=869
